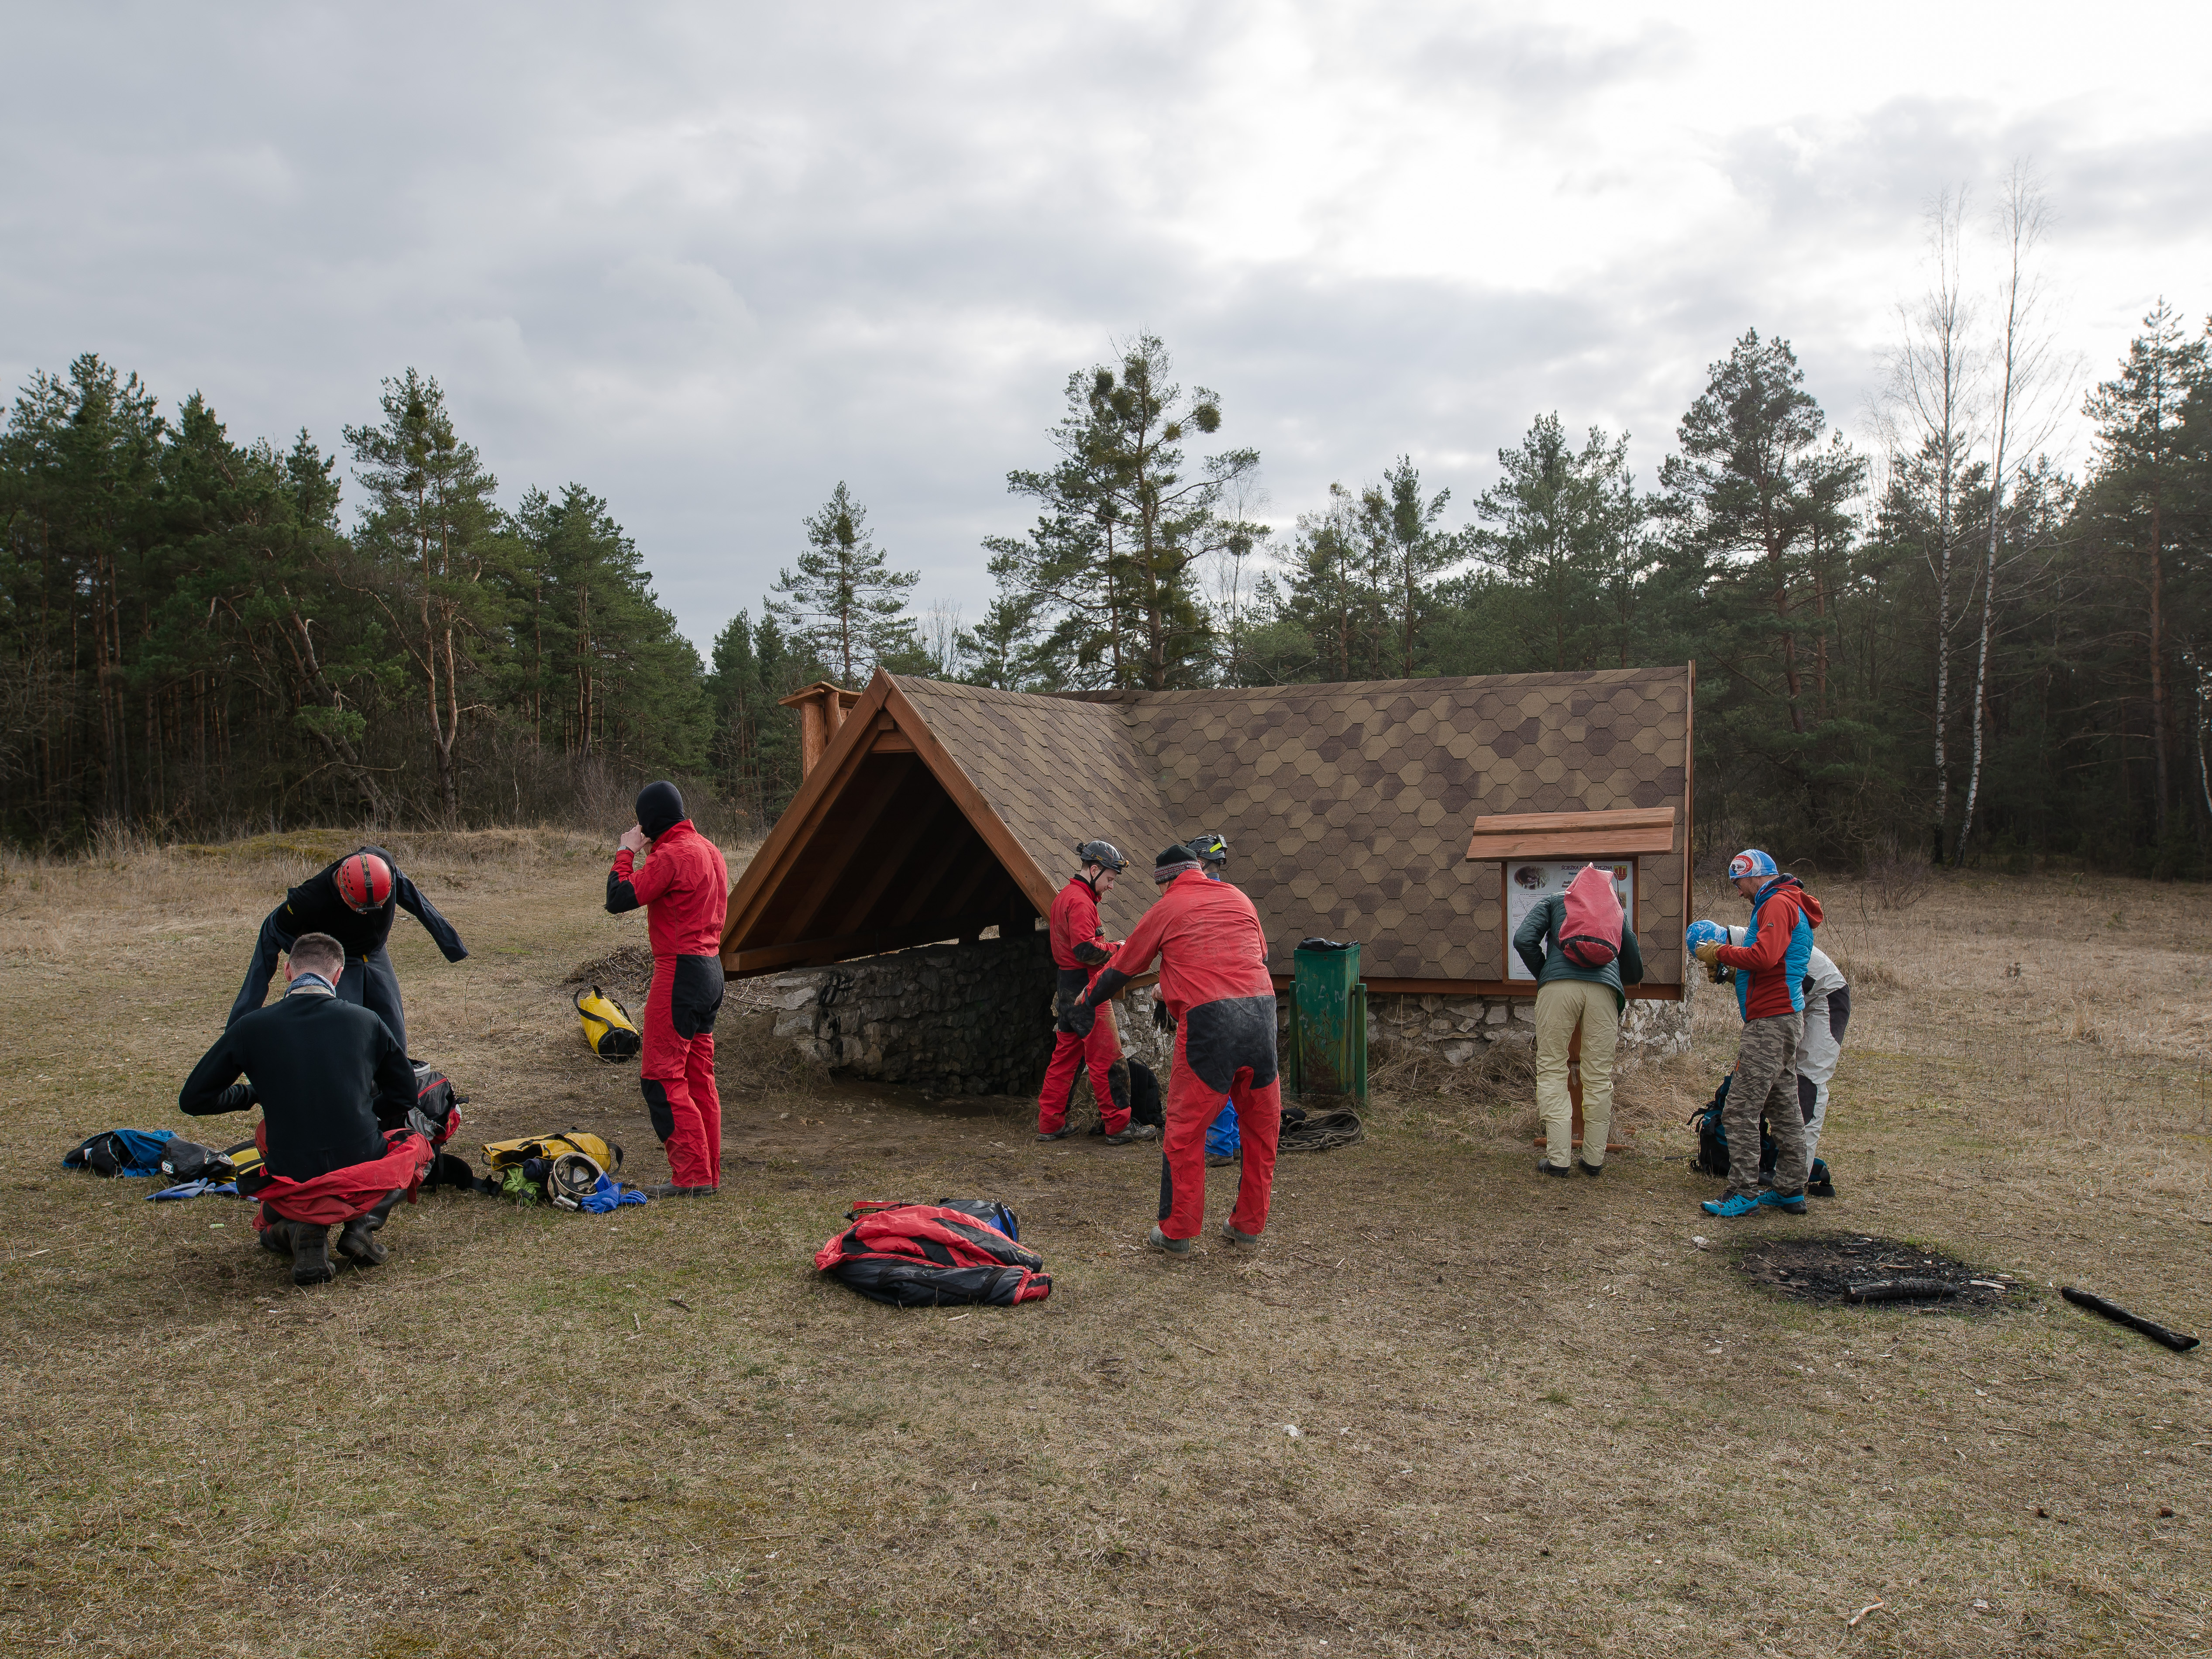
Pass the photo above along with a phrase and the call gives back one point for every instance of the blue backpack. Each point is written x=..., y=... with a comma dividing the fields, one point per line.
x=120, y=1152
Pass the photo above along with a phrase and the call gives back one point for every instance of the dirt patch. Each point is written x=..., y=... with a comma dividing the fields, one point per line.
x=626, y=971
x=1831, y=1270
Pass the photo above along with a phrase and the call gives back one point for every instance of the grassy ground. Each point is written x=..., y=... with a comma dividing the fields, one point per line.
x=1529, y=1416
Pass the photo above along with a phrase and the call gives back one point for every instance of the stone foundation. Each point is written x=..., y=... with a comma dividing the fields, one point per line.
x=1456, y=1029
x=977, y=1019
x=973, y=1019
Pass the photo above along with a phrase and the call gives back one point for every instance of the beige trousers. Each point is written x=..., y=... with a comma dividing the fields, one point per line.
x=1560, y=1007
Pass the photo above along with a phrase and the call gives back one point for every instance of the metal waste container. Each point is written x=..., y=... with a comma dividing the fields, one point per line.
x=1329, y=1022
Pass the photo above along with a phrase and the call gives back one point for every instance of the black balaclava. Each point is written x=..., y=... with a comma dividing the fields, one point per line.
x=659, y=809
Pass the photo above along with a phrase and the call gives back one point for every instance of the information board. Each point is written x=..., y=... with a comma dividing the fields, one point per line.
x=1529, y=881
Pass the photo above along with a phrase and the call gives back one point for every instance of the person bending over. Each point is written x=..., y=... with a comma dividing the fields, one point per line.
x=1770, y=971
x=1080, y=949
x=1571, y=995
x=340, y=1138
x=685, y=888
x=1213, y=978
x=353, y=902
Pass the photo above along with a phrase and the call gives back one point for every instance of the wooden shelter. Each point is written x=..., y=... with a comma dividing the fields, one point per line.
x=1398, y=813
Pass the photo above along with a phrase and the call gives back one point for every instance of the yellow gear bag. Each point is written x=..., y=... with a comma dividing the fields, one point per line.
x=608, y=1028
x=512, y=1154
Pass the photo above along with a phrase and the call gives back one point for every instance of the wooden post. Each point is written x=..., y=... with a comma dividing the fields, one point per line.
x=812, y=738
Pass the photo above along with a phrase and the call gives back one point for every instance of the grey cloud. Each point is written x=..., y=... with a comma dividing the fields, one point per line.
x=709, y=261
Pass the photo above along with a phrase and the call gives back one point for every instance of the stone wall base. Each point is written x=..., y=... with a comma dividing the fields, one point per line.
x=977, y=1019
x=973, y=1019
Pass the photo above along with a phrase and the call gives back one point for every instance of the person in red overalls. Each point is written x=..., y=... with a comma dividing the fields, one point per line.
x=1213, y=978
x=685, y=888
x=1080, y=949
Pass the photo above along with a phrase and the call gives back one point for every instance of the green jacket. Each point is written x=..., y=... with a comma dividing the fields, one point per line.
x=1537, y=942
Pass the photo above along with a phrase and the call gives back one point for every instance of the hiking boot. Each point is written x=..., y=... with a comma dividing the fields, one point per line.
x=1134, y=1131
x=1229, y=1232
x=1062, y=1133
x=277, y=1238
x=358, y=1244
x=670, y=1189
x=1545, y=1166
x=311, y=1255
x=1732, y=1206
x=1222, y=1160
x=1792, y=1202
x=1160, y=1241
x=1820, y=1183
x=1593, y=1170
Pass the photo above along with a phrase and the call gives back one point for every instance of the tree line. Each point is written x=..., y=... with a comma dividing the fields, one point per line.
x=1942, y=646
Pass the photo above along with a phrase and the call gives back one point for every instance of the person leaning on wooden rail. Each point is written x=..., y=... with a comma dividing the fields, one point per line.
x=1587, y=994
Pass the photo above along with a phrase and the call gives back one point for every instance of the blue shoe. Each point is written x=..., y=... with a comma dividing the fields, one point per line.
x=1734, y=1205
x=1793, y=1202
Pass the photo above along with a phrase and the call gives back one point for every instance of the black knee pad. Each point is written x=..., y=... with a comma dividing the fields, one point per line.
x=657, y=1107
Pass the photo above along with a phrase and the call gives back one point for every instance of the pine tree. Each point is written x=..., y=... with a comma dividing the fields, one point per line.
x=1565, y=528
x=432, y=527
x=2143, y=473
x=844, y=600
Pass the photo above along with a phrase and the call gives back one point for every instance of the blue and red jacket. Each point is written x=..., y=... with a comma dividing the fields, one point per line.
x=1770, y=965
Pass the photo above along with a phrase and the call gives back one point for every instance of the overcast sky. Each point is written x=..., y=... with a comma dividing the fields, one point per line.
x=707, y=260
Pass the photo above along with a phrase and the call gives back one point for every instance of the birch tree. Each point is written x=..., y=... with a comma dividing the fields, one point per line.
x=1929, y=417
x=2025, y=373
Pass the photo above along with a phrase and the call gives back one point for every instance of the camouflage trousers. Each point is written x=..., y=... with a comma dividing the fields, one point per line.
x=1766, y=1082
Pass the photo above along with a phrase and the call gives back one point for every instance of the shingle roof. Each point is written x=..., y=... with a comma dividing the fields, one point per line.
x=1057, y=772
x=1347, y=807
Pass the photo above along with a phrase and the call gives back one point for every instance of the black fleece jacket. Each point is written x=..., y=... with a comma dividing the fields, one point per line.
x=324, y=1072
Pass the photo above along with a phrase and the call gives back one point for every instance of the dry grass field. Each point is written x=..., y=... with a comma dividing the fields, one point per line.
x=1529, y=1416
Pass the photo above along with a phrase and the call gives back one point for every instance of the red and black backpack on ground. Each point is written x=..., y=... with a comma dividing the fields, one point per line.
x=925, y=1255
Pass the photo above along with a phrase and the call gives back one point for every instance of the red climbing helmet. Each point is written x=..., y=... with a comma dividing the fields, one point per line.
x=364, y=882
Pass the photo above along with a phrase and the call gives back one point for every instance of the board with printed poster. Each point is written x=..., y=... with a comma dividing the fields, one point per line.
x=1528, y=882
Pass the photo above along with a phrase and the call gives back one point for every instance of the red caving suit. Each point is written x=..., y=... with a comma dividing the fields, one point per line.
x=1213, y=975
x=1079, y=951
x=685, y=888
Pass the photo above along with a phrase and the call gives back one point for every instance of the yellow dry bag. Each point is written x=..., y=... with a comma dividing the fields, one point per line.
x=608, y=1028
x=513, y=1154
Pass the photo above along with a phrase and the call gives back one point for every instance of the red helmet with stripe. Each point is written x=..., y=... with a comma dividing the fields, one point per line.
x=364, y=882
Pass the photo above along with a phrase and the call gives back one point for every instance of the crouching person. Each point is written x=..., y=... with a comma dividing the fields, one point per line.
x=1213, y=978
x=339, y=1142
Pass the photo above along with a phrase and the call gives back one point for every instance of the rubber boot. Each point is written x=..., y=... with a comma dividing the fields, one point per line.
x=357, y=1241
x=311, y=1255
x=277, y=1237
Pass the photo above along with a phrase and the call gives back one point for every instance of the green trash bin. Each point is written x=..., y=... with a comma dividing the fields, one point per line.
x=1329, y=1022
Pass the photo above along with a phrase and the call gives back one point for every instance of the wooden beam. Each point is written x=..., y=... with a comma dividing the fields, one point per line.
x=925, y=816
x=1011, y=854
x=815, y=952
x=1622, y=818
x=817, y=797
x=1518, y=988
x=892, y=743
x=1612, y=834
x=837, y=841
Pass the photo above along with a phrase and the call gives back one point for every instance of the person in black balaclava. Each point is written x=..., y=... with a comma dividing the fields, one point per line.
x=355, y=902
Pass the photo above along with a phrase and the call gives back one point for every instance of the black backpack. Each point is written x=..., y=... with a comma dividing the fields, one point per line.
x=1137, y=1091
x=1712, y=1156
